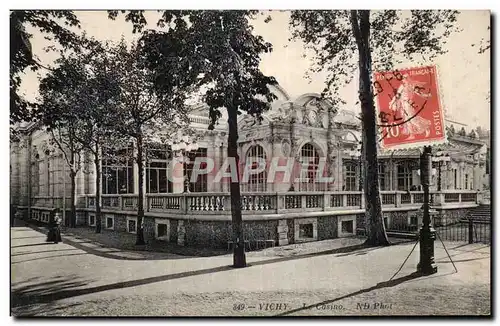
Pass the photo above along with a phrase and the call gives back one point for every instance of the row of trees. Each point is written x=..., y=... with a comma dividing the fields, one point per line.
x=101, y=94
x=217, y=51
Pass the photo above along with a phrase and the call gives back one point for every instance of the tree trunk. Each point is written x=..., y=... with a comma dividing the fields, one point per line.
x=140, y=199
x=373, y=212
x=239, y=259
x=72, y=175
x=97, y=162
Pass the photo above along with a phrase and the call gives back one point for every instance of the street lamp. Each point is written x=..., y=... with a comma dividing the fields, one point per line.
x=359, y=149
x=440, y=158
x=427, y=234
x=185, y=145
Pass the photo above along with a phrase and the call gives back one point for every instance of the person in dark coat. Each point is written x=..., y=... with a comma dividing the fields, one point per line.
x=54, y=234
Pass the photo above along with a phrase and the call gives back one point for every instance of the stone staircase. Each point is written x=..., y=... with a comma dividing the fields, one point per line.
x=482, y=212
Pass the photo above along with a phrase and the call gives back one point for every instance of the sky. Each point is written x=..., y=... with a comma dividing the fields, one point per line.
x=464, y=75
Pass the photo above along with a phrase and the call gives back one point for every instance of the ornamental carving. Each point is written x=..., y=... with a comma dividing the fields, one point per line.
x=285, y=147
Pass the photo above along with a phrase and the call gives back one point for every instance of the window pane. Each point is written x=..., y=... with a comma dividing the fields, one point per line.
x=164, y=185
x=201, y=183
x=153, y=181
x=122, y=181
x=112, y=182
x=130, y=179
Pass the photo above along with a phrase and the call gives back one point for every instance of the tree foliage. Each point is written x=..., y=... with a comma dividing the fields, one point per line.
x=381, y=40
x=146, y=112
x=395, y=36
x=223, y=57
x=78, y=100
x=55, y=25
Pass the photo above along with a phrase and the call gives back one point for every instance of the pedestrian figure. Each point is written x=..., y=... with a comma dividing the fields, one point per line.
x=54, y=234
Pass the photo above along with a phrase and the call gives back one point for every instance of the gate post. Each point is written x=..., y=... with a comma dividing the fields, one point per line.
x=471, y=229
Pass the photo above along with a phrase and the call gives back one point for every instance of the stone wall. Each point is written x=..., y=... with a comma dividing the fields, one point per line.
x=450, y=216
x=214, y=234
x=149, y=228
x=291, y=231
x=173, y=230
x=327, y=227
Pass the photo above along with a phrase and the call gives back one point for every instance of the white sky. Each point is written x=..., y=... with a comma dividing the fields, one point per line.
x=464, y=75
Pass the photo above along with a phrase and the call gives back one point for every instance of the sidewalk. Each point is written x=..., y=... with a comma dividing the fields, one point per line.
x=65, y=279
x=126, y=241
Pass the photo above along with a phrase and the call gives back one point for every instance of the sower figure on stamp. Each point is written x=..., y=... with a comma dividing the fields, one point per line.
x=404, y=105
x=54, y=234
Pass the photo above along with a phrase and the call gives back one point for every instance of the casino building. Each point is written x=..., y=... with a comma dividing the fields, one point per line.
x=198, y=214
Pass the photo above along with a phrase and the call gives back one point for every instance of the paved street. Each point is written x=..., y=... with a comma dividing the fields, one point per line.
x=334, y=277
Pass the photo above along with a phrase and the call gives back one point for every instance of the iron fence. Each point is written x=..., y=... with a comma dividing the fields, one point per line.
x=470, y=230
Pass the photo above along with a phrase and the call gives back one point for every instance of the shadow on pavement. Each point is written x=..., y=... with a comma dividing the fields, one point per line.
x=46, y=257
x=95, y=252
x=24, y=296
x=67, y=292
x=28, y=237
x=34, y=244
x=38, y=252
x=380, y=285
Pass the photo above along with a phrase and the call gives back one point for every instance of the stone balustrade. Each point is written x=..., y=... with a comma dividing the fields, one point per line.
x=269, y=203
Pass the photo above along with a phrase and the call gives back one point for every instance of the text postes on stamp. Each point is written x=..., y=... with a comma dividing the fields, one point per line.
x=409, y=110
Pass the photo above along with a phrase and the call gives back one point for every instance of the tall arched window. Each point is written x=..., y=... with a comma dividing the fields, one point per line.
x=258, y=181
x=350, y=168
x=309, y=181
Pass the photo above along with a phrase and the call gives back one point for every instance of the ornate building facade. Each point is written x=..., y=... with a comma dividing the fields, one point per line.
x=306, y=129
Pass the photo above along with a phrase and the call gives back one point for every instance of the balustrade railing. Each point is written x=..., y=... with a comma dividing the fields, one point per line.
x=293, y=201
x=406, y=198
x=353, y=200
x=389, y=198
x=336, y=200
x=451, y=197
x=255, y=203
x=111, y=201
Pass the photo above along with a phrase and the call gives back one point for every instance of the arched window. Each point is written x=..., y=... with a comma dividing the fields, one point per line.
x=258, y=181
x=350, y=167
x=309, y=179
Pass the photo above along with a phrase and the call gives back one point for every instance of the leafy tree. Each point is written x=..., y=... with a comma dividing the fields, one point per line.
x=79, y=101
x=59, y=110
x=143, y=112
x=99, y=115
x=223, y=58
x=387, y=36
x=55, y=25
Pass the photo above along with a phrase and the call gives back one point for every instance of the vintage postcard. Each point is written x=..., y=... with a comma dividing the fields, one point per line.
x=195, y=163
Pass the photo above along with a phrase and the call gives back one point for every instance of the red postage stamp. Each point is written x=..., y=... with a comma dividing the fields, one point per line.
x=409, y=108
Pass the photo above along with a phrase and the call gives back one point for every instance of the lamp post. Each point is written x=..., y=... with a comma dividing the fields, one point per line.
x=427, y=234
x=185, y=146
x=360, y=162
x=440, y=158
